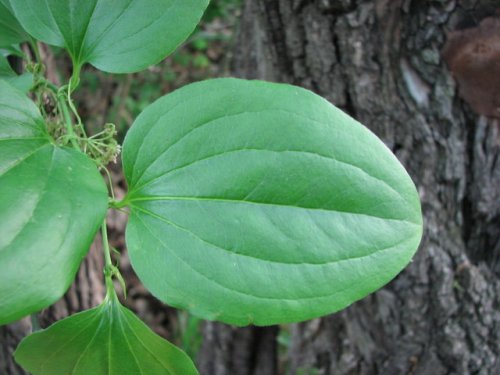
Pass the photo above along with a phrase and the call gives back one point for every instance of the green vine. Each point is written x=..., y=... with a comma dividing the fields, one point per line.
x=64, y=122
x=110, y=271
x=66, y=128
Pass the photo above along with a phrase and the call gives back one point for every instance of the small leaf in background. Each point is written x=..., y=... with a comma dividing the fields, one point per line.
x=11, y=32
x=22, y=82
x=254, y=202
x=52, y=202
x=107, y=340
x=117, y=36
x=201, y=61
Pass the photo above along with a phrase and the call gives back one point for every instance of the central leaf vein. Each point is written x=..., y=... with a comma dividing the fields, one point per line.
x=236, y=201
x=398, y=194
x=321, y=264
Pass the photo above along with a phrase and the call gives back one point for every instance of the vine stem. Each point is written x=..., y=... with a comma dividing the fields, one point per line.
x=110, y=270
x=108, y=265
x=75, y=78
x=35, y=323
x=73, y=109
x=50, y=85
x=36, y=50
x=69, y=124
x=105, y=244
x=110, y=180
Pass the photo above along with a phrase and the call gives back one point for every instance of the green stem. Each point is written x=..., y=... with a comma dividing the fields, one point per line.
x=110, y=180
x=50, y=85
x=36, y=50
x=72, y=85
x=108, y=265
x=69, y=124
x=118, y=205
x=75, y=78
x=105, y=245
x=75, y=112
x=110, y=270
x=35, y=323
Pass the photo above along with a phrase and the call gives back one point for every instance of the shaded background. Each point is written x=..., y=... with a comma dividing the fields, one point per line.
x=425, y=77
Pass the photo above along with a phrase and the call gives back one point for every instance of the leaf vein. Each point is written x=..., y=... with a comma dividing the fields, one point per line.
x=91, y=47
x=148, y=132
x=271, y=151
x=236, y=201
x=322, y=264
x=54, y=353
x=157, y=359
x=234, y=290
x=86, y=31
x=126, y=340
x=80, y=357
x=19, y=161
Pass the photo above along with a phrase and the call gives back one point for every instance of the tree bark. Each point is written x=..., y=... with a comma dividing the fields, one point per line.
x=382, y=62
x=244, y=351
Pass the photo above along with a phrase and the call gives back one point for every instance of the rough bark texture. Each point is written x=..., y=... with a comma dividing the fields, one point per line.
x=381, y=61
x=247, y=351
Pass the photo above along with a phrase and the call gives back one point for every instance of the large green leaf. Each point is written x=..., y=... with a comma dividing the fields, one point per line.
x=254, y=202
x=117, y=36
x=52, y=202
x=11, y=32
x=107, y=340
x=22, y=82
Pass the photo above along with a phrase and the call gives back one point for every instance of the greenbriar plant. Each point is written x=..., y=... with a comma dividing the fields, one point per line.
x=249, y=202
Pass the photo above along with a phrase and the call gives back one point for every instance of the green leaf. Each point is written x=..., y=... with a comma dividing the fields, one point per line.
x=22, y=82
x=254, y=202
x=117, y=36
x=106, y=340
x=12, y=50
x=11, y=32
x=53, y=201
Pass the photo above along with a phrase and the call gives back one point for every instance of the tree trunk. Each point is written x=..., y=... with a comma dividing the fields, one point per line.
x=382, y=62
x=244, y=351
